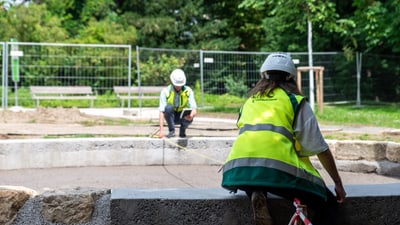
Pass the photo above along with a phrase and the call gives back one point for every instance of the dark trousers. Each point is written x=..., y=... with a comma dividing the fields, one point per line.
x=325, y=211
x=172, y=117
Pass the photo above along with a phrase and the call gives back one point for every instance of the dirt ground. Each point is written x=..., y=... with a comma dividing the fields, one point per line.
x=45, y=116
x=66, y=122
x=74, y=122
x=41, y=119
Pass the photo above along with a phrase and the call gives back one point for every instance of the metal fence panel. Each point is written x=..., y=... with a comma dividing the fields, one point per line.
x=208, y=72
x=51, y=64
x=235, y=73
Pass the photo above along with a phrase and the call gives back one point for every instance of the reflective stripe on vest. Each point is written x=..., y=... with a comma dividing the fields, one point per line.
x=270, y=127
x=265, y=162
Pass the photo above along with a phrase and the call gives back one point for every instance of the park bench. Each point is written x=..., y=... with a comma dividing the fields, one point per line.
x=62, y=93
x=143, y=92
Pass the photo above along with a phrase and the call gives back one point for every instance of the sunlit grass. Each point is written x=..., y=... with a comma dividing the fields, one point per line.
x=368, y=115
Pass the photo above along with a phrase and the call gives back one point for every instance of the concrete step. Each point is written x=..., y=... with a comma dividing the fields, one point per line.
x=365, y=204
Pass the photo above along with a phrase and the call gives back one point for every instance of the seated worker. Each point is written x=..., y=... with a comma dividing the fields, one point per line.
x=278, y=134
x=173, y=99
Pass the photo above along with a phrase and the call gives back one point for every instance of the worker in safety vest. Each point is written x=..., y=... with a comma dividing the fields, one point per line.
x=173, y=100
x=278, y=133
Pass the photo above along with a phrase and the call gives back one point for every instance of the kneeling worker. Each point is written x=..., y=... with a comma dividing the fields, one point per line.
x=173, y=100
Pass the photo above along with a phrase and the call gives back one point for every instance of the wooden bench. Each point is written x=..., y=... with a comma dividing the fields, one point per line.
x=62, y=93
x=143, y=92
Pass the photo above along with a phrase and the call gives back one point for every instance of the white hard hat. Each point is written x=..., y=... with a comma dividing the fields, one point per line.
x=279, y=61
x=178, y=77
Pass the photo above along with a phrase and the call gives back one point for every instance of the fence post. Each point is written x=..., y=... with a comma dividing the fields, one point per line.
x=358, y=62
x=201, y=78
x=4, y=76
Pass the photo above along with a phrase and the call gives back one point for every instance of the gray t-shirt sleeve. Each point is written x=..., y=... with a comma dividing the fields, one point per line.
x=307, y=132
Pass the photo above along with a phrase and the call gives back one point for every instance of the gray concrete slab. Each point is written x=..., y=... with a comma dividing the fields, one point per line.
x=366, y=204
x=145, y=177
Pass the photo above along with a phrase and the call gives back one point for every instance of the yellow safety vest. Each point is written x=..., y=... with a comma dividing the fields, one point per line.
x=264, y=153
x=184, y=96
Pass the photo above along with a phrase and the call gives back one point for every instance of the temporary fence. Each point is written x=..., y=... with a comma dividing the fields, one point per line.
x=234, y=73
x=56, y=64
x=346, y=77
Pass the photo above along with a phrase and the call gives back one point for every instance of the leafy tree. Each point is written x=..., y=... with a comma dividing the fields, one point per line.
x=286, y=23
x=31, y=23
x=180, y=24
x=68, y=11
x=378, y=37
x=377, y=26
x=106, y=32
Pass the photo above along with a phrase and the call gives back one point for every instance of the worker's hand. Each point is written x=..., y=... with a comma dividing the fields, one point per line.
x=161, y=134
x=189, y=117
x=340, y=192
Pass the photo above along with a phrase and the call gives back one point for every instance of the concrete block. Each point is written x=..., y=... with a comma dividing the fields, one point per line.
x=48, y=153
x=187, y=206
x=388, y=168
x=371, y=204
x=357, y=166
x=358, y=156
x=393, y=151
x=360, y=150
x=365, y=204
x=197, y=151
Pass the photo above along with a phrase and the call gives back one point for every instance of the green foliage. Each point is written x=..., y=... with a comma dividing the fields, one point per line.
x=235, y=85
x=285, y=24
x=156, y=69
x=31, y=24
x=370, y=26
x=106, y=32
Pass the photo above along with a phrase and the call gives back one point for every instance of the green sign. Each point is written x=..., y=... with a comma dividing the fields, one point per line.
x=15, y=69
x=15, y=61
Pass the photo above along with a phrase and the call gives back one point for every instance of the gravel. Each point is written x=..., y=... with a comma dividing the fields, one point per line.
x=30, y=213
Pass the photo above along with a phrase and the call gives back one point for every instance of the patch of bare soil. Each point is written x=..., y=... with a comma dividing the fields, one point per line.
x=45, y=115
x=13, y=123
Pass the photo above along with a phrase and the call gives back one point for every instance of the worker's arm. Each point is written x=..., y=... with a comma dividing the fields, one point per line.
x=328, y=162
x=161, y=123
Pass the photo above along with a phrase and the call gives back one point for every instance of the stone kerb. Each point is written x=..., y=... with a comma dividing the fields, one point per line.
x=393, y=152
x=49, y=153
x=196, y=151
x=360, y=150
x=354, y=156
x=366, y=156
x=365, y=204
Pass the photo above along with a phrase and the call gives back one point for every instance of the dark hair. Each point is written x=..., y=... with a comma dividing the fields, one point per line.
x=276, y=79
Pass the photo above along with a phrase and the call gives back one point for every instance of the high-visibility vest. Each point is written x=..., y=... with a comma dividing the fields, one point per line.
x=264, y=153
x=184, y=96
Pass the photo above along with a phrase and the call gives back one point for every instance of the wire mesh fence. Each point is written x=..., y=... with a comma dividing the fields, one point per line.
x=345, y=79
x=71, y=65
